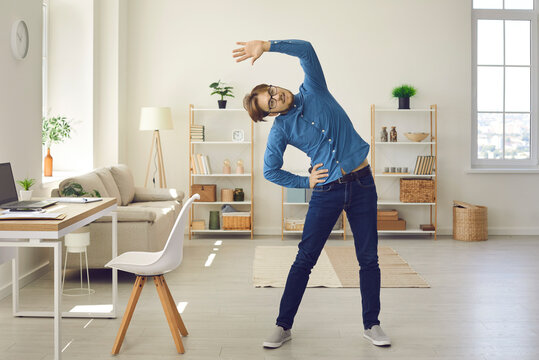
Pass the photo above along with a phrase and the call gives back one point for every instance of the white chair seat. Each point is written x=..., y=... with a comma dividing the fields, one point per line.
x=137, y=262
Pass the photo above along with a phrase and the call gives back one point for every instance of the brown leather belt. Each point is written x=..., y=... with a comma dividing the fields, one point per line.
x=353, y=175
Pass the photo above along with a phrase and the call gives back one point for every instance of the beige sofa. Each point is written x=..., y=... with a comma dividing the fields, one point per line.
x=145, y=216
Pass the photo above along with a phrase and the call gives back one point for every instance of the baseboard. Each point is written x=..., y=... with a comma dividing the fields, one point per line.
x=27, y=278
x=447, y=231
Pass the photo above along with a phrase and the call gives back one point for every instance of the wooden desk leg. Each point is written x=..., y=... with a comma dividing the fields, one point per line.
x=165, y=302
x=176, y=313
x=135, y=294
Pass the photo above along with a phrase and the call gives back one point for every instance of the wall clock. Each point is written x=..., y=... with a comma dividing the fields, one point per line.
x=20, y=39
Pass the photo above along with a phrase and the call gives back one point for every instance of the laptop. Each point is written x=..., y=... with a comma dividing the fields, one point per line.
x=8, y=193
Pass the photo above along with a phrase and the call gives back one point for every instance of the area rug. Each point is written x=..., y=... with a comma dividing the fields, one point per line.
x=337, y=267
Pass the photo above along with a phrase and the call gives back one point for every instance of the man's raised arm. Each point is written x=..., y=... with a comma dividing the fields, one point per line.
x=314, y=76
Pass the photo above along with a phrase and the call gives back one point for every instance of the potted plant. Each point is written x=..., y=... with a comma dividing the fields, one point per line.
x=26, y=184
x=220, y=88
x=54, y=131
x=404, y=93
x=75, y=190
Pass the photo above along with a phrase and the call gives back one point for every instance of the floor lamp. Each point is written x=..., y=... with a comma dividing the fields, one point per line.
x=156, y=118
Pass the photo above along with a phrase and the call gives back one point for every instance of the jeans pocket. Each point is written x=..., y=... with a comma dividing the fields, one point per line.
x=322, y=188
x=366, y=181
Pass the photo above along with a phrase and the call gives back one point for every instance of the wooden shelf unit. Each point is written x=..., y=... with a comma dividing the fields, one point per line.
x=388, y=147
x=215, y=145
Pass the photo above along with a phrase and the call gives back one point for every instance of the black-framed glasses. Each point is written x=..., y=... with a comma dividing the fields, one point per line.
x=272, y=91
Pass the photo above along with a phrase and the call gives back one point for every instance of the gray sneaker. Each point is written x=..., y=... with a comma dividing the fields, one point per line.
x=377, y=336
x=278, y=337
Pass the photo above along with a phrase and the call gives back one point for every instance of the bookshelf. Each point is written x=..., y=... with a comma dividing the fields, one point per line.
x=217, y=145
x=404, y=153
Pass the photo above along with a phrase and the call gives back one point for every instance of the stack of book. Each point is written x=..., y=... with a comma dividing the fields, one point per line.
x=389, y=220
x=424, y=165
x=197, y=133
x=200, y=164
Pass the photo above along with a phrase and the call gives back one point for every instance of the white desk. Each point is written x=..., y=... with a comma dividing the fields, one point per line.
x=46, y=233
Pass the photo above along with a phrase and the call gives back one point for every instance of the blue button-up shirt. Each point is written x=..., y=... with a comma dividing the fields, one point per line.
x=316, y=124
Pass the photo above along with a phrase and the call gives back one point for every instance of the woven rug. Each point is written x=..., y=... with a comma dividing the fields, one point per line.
x=337, y=267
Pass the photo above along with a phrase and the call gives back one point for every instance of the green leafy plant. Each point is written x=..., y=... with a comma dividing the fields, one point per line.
x=219, y=88
x=75, y=189
x=404, y=91
x=26, y=183
x=55, y=130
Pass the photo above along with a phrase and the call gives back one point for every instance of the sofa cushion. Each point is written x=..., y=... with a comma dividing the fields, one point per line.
x=149, y=194
x=125, y=182
x=108, y=180
x=89, y=183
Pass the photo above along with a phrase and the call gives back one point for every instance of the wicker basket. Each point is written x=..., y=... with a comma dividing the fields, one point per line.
x=237, y=221
x=417, y=191
x=470, y=222
x=294, y=224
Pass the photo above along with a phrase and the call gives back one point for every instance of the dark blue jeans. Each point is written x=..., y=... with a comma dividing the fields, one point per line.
x=359, y=199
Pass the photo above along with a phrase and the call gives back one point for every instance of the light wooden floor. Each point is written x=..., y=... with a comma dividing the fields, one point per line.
x=483, y=304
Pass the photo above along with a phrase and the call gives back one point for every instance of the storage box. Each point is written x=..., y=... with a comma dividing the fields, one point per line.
x=388, y=214
x=392, y=224
x=295, y=195
x=237, y=221
x=470, y=222
x=417, y=190
x=206, y=191
x=198, y=225
x=294, y=224
x=227, y=195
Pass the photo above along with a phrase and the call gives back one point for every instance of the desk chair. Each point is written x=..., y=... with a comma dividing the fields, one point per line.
x=155, y=264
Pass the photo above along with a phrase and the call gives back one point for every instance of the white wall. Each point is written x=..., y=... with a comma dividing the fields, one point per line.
x=20, y=103
x=176, y=49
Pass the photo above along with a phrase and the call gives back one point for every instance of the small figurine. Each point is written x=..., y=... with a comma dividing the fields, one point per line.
x=393, y=134
x=226, y=167
x=239, y=167
x=383, y=134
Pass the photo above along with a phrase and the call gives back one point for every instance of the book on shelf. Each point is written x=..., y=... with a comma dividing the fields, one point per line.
x=193, y=165
x=207, y=164
x=200, y=164
x=424, y=165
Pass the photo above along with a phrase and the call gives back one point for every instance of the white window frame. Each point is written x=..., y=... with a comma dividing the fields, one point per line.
x=44, y=59
x=500, y=164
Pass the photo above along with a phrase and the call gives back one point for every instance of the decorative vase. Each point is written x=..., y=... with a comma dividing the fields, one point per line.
x=222, y=104
x=404, y=103
x=239, y=195
x=25, y=194
x=393, y=134
x=226, y=167
x=239, y=167
x=214, y=220
x=383, y=134
x=48, y=163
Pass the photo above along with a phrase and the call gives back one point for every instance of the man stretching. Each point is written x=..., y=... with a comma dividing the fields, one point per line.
x=340, y=177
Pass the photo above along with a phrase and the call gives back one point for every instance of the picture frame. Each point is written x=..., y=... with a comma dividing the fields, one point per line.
x=238, y=135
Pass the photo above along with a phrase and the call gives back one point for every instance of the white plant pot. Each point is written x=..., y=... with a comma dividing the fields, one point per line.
x=26, y=194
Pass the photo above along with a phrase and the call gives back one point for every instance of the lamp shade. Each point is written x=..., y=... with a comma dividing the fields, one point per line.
x=155, y=118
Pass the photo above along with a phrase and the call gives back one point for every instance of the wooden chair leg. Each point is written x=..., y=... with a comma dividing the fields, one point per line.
x=168, y=313
x=177, y=316
x=135, y=294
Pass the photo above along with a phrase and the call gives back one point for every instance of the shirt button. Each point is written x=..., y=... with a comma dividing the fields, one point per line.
x=323, y=130
x=295, y=105
x=333, y=150
x=337, y=161
x=329, y=140
x=312, y=123
x=301, y=115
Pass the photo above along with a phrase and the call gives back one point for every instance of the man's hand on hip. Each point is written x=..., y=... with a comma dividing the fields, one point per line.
x=251, y=49
x=317, y=176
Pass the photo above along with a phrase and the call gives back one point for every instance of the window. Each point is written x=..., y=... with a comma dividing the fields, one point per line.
x=504, y=85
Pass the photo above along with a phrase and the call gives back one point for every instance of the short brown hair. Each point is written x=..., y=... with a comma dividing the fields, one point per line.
x=250, y=103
